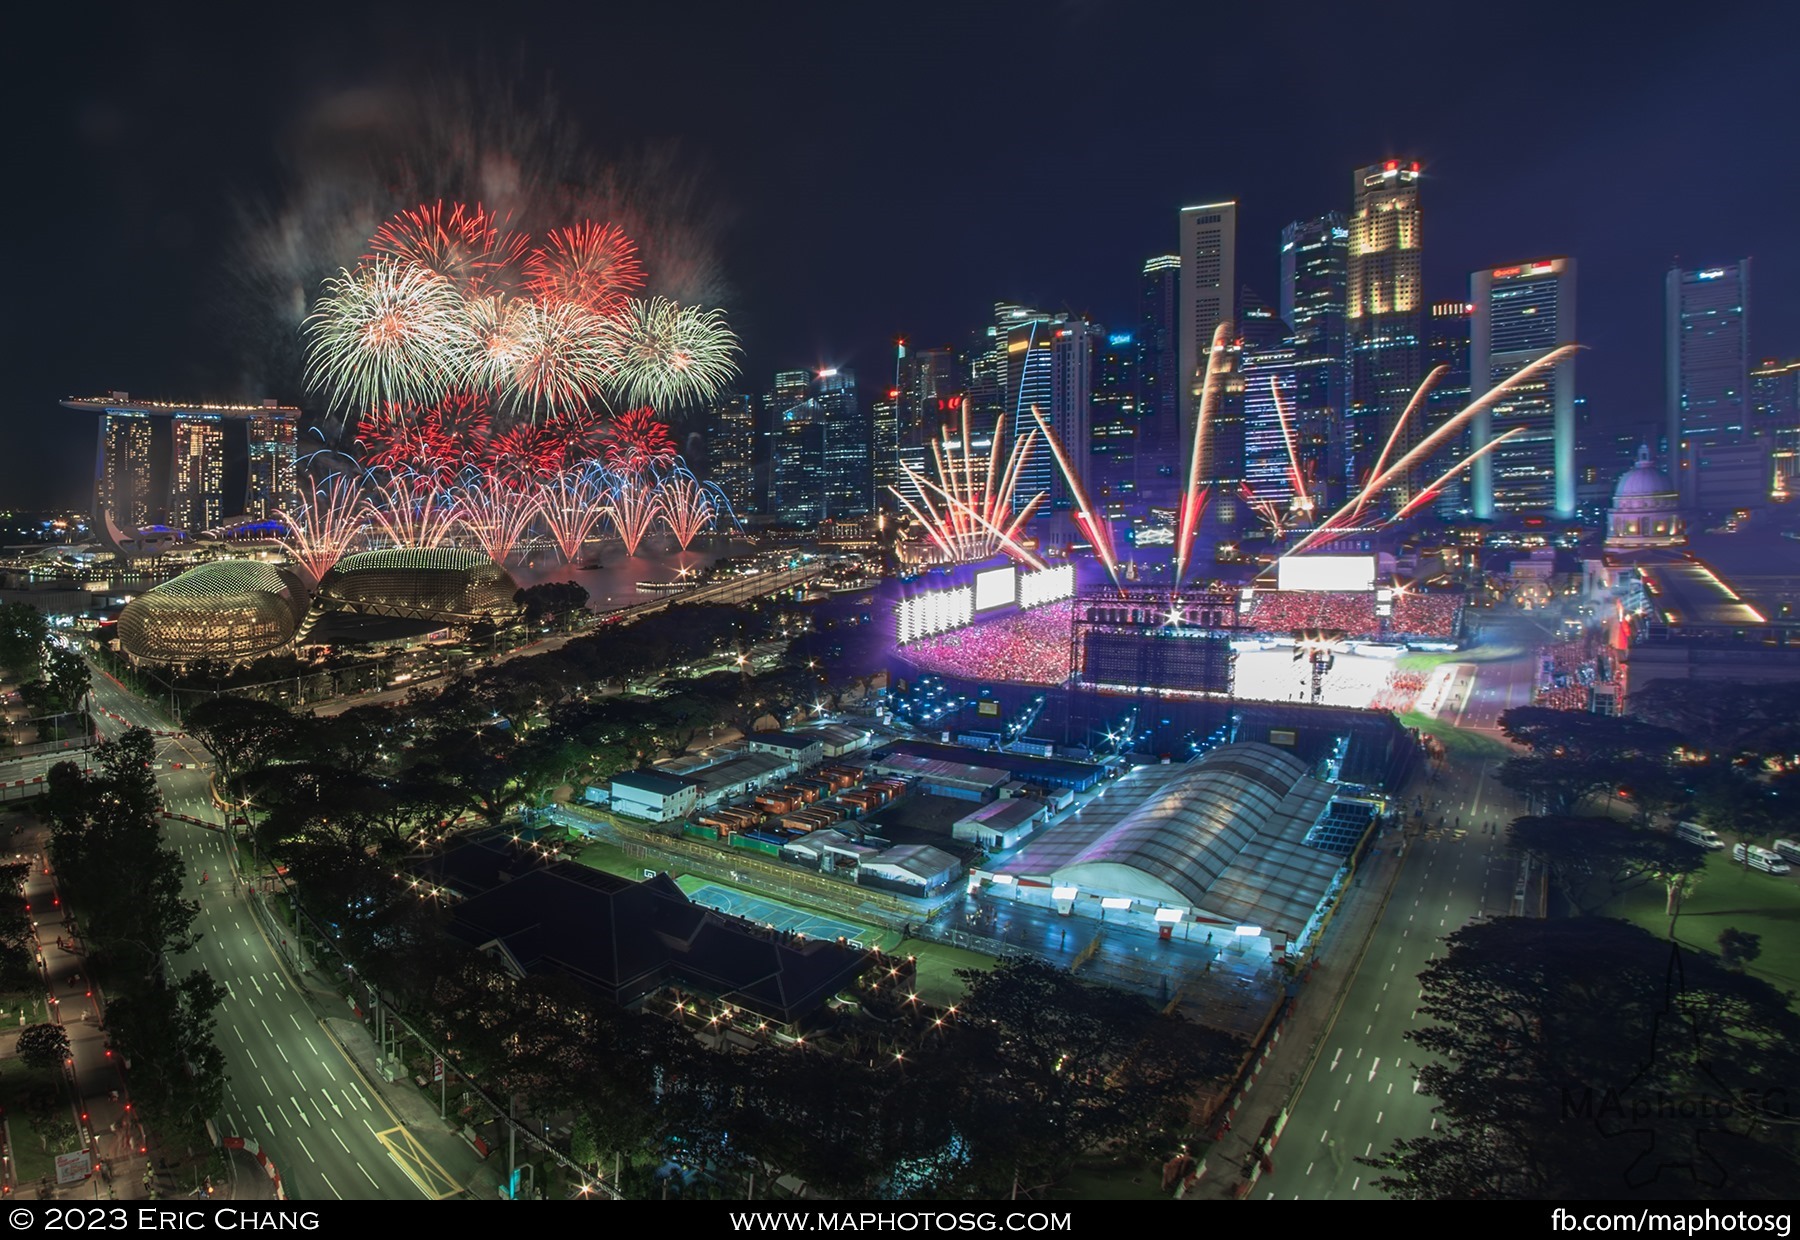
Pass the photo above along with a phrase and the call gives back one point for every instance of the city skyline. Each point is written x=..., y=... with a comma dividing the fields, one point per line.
x=802, y=288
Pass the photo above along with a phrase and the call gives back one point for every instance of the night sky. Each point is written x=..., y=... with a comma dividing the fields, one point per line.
x=839, y=175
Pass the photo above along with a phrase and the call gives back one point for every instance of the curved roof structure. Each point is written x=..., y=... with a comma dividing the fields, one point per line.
x=427, y=583
x=1644, y=481
x=1224, y=836
x=232, y=610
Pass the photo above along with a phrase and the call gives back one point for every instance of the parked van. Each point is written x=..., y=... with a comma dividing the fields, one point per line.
x=1789, y=850
x=1694, y=833
x=1760, y=859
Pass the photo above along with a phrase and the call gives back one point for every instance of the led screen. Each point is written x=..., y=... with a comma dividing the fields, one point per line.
x=1325, y=572
x=996, y=587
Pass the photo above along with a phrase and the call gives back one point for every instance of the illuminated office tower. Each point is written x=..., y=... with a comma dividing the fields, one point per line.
x=1269, y=369
x=272, y=481
x=1447, y=345
x=937, y=384
x=1315, y=256
x=1521, y=313
x=731, y=449
x=1775, y=409
x=1707, y=352
x=1009, y=317
x=1385, y=301
x=849, y=481
x=122, y=489
x=1159, y=400
x=884, y=428
x=1208, y=298
x=197, y=474
x=1116, y=418
x=1031, y=350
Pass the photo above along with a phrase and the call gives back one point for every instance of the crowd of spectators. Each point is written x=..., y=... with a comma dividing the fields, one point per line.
x=1567, y=669
x=1030, y=647
x=1415, y=614
x=1400, y=691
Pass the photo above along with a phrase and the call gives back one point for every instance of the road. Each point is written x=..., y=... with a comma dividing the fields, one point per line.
x=1360, y=1094
x=290, y=1085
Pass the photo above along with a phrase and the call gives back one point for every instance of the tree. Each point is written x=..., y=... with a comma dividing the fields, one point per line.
x=1581, y=1058
x=1578, y=734
x=1593, y=861
x=43, y=1046
x=1734, y=801
x=1738, y=948
x=24, y=633
x=242, y=732
x=1052, y=1066
x=166, y=1030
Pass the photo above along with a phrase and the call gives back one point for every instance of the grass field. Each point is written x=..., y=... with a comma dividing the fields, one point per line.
x=938, y=963
x=1425, y=660
x=1729, y=896
x=1457, y=740
x=17, y=1083
x=599, y=855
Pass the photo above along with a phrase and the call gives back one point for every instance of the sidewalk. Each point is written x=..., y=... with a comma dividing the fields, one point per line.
x=1316, y=1003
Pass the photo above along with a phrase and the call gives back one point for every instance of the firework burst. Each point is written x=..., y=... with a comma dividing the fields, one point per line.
x=572, y=506
x=548, y=357
x=526, y=455
x=594, y=266
x=321, y=527
x=685, y=506
x=637, y=441
x=411, y=513
x=668, y=355
x=633, y=509
x=469, y=247
x=496, y=516
x=388, y=333
x=973, y=516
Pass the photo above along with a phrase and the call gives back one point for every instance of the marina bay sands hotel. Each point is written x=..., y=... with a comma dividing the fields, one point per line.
x=132, y=493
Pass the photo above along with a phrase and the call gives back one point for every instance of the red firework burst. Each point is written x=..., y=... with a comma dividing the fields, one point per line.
x=636, y=441
x=463, y=419
x=469, y=246
x=526, y=454
x=583, y=435
x=593, y=265
x=403, y=439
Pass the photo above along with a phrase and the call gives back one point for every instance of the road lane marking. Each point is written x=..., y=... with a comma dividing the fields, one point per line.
x=249, y=1054
x=240, y=1034
x=282, y=1053
x=263, y=1113
x=1322, y=1133
x=366, y=1175
x=1309, y=1167
x=300, y=1109
x=330, y=1185
x=1390, y=1088
x=296, y=1021
x=309, y=1153
x=309, y=1044
x=253, y=980
x=266, y=1029
x=1334, y=1107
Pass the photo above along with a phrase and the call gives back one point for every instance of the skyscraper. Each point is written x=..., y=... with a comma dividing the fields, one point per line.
x=271, y=484
x=1030, y=347
x=731, y=449
x=1447, y=345
x=795, y=451
x=1775, y=408
x=937, y=384
x=884, y=425
x=1385, y=296
x=197, y=473
x=1268, y=368
x=1521, y=313
x=849, y=489
x=1159, y=401
x=1116, y=420
x=1208, y=298
x=122, y=488
x=1314, y=304
x=1707, y=351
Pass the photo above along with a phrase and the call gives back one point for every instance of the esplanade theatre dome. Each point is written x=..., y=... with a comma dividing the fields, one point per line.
x=231, y=610
x=1646, y=510
x=436, y=583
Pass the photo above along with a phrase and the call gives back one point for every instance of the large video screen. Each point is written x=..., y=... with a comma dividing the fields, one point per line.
x=1325, y=572
x=996, y=587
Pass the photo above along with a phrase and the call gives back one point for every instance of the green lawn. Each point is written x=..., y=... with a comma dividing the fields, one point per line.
x=599, y=855
x=1729, y=896
x=938, y=963
x=1114, y=1177
x=1425, y=660
x=1457, y=740
x=31, y=1161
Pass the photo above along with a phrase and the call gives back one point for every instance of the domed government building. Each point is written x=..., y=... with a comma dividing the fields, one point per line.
x=1646, y=510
